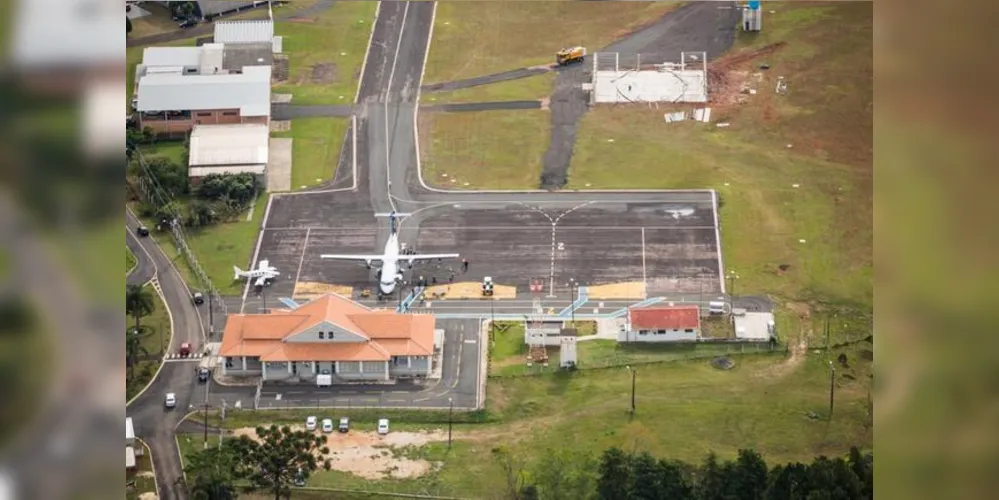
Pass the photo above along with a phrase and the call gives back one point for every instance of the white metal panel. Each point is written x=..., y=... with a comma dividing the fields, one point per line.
x=250, y=92
x=244, y=144
x=256, y=31
x=171, y=56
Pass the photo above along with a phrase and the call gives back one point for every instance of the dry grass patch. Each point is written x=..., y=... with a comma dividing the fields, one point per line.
x=479, y=38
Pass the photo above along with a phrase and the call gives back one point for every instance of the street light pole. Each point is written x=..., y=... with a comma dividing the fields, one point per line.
x=450, y=413
x=633, y=372
x=832, y=388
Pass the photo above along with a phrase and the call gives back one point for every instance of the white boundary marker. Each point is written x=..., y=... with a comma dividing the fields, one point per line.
x=416, y=107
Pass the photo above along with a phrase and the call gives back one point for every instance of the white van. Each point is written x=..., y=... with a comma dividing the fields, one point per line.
x=324, y=380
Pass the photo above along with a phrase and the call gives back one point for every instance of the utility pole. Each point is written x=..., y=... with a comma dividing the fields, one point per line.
x=572, y=308
x=832, y=388
x=450, y=413
x=206, y=406
x=633, y=372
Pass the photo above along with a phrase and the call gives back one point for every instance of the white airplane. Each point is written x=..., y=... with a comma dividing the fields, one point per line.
x=262, y=273
x=390, y=272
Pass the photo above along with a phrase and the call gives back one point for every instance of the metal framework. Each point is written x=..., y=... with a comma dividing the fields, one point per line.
x=538, y=352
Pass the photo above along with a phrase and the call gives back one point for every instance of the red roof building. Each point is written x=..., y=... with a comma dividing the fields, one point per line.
x=662, y=323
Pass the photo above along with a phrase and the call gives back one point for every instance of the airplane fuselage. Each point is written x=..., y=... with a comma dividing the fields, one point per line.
x=390, y=265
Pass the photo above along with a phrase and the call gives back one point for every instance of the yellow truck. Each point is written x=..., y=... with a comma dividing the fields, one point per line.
x=570, y=55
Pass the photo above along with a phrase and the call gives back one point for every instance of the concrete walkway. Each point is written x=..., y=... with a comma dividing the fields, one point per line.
x=279, y=165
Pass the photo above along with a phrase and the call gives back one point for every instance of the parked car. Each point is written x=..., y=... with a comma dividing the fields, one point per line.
x=171, y=400
x=185, y=349
x=344, y=424
x=299, y=479
x=199, y=298
x=327, y=425
x=310, y=423
x=203, y=374
x=383, y=426
x=142, y=231
x=188, y=23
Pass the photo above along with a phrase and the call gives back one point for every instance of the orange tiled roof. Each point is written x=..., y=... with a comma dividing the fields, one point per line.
x=387, y=333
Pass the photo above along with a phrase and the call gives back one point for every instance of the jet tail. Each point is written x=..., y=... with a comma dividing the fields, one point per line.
x=238, y=272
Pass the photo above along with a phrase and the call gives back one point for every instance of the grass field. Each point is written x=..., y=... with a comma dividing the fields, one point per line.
x=315, y=149
x=525, y=89
x=486, y=150
x=480, y=38
x=217, y=248
x=172, y=150
x=764, y=215
x=130, y=261
x=156, y=331
x=326, y=52
x=684, y=410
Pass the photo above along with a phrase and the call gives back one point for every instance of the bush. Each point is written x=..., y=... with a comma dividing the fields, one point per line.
x=236, y=191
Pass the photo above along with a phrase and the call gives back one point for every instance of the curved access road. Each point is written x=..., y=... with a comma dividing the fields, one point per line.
x=153, y=423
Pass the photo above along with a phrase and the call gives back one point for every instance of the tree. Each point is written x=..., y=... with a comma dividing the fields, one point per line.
x=715, y=481
x=200, y=214
x=167, y=174
x=646, y=478
x=235, y=190
x=128, y=25
x=614, y=475
x=563, y=475
x=675, y=484
x=863, y=467
x=133, y=347
x=513, y=470
x=212, y=473
x=750, y=473
x=138, y=303
x=787, y=482
x=833, y=479
x=281, y=455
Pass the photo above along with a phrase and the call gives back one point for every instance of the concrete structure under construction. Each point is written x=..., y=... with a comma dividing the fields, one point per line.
x=626, y=78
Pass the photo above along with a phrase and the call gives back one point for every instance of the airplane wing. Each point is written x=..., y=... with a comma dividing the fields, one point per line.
x=429, y=256
x=264, y=264
x=261, y=281
x=351, y=257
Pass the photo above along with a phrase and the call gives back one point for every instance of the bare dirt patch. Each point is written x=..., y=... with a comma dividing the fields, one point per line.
x=322, y=73
x=148, y=495
x=371, y=456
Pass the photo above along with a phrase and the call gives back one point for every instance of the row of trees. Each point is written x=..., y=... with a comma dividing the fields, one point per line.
x=282, y=456
x=640, y=476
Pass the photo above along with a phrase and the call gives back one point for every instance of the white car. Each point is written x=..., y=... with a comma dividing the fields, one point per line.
x=310, y=423
x=327, y=425
x=171, y=400
x=383, y=426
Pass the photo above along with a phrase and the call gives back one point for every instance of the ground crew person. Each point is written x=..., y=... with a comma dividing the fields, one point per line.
x=433, y=280
x=451, y=278
x=464, y=264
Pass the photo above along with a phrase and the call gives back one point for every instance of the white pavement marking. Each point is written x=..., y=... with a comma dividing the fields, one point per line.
x=721, y=269
x=469, y=341
x=645, y=279
x=388, y=93
x=364, y=62
x=511, y=228
x=353, y=142
x=302, y=259
x=256, y=250
x=416, y=108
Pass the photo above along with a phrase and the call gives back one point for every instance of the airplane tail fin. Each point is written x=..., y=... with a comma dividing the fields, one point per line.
x=237, y=272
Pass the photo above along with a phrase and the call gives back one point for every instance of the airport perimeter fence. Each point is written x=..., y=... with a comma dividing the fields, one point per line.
x=619, y=356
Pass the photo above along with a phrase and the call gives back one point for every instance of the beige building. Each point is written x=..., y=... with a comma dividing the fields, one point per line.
x=228, y=149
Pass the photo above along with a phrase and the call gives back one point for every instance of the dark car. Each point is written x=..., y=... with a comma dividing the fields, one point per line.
x=188, y=23
x=203, y=374
x=142, y=231
x=198, y=298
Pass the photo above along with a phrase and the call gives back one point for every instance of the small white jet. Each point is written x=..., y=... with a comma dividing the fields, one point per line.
x=262, y=273
x=390, y=273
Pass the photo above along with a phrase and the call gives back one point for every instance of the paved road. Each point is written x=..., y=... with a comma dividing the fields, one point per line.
x=144, y=269
x=153, y=423
x=482, y=106
x=514, y=74
x=209, y=28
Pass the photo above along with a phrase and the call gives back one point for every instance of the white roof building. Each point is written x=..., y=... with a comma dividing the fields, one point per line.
x=222, y=149
x=247, y=32
x=249, y=92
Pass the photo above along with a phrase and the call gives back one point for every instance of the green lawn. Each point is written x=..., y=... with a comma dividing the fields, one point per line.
x=156, y=332
x=144, y=480
x=326, y=53
x=684, y=410
x=808, y=206
x=130, y=261
x=217, y=248
x=525, y=89
x=486, y=150
x=315, y=149
x=480, y=38
x=170, y=149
